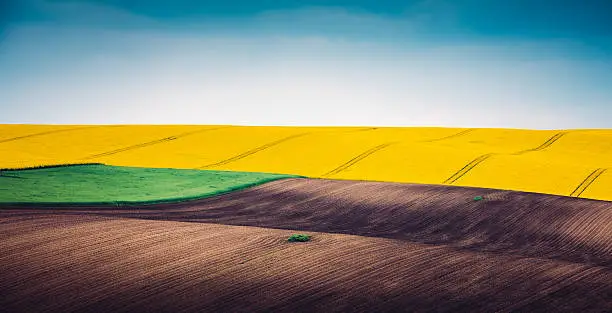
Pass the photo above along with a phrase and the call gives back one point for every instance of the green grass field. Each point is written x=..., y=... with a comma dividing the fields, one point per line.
x=116, y=185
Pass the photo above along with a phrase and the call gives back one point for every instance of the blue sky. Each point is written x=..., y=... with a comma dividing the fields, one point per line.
x=465, y=63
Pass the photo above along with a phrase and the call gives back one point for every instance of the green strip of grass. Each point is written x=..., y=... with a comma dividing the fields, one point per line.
x=104, y=185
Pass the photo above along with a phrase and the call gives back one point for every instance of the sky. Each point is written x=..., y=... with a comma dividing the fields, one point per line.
x=535, y=64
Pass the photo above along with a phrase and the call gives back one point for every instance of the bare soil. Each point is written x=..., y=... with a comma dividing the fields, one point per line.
x=376, y=247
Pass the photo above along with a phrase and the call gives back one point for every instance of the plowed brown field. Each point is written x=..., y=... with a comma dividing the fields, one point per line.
x=377, y=247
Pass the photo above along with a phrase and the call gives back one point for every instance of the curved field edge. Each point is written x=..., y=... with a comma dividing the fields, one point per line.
x=95, y=184
x=38, y=167
x=483, y=188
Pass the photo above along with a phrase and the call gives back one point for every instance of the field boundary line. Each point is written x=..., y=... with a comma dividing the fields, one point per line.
x=587, y=182
x=545, y=145
x=253, y=151
x=357, y=158
x=50, y=132
x=461, y=133
x=149, y=143
x=40, y=167
x=468, y=167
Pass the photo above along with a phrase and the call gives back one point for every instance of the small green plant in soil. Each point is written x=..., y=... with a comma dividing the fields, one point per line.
x=298, y=238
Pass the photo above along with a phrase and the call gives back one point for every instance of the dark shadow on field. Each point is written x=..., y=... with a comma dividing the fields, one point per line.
x=509, y=222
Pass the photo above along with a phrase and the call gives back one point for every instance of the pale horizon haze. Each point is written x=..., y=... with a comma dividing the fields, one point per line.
x=463, y=63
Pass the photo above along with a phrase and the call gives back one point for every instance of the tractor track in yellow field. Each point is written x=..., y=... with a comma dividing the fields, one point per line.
x=50, y=132
x=587, y=182
x=472, y=164
x=461, y=133
x=150, y=143
x=365, y=129
x=468, y=167
x=357, y=158
x=545, y=145
x=253, y=151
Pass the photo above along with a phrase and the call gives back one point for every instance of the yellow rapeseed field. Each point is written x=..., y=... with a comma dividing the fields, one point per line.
x=563, y=162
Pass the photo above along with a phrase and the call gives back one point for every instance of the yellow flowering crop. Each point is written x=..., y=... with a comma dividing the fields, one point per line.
x=563, y=162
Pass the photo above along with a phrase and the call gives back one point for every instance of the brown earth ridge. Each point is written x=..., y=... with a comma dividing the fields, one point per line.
x=377, y=247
